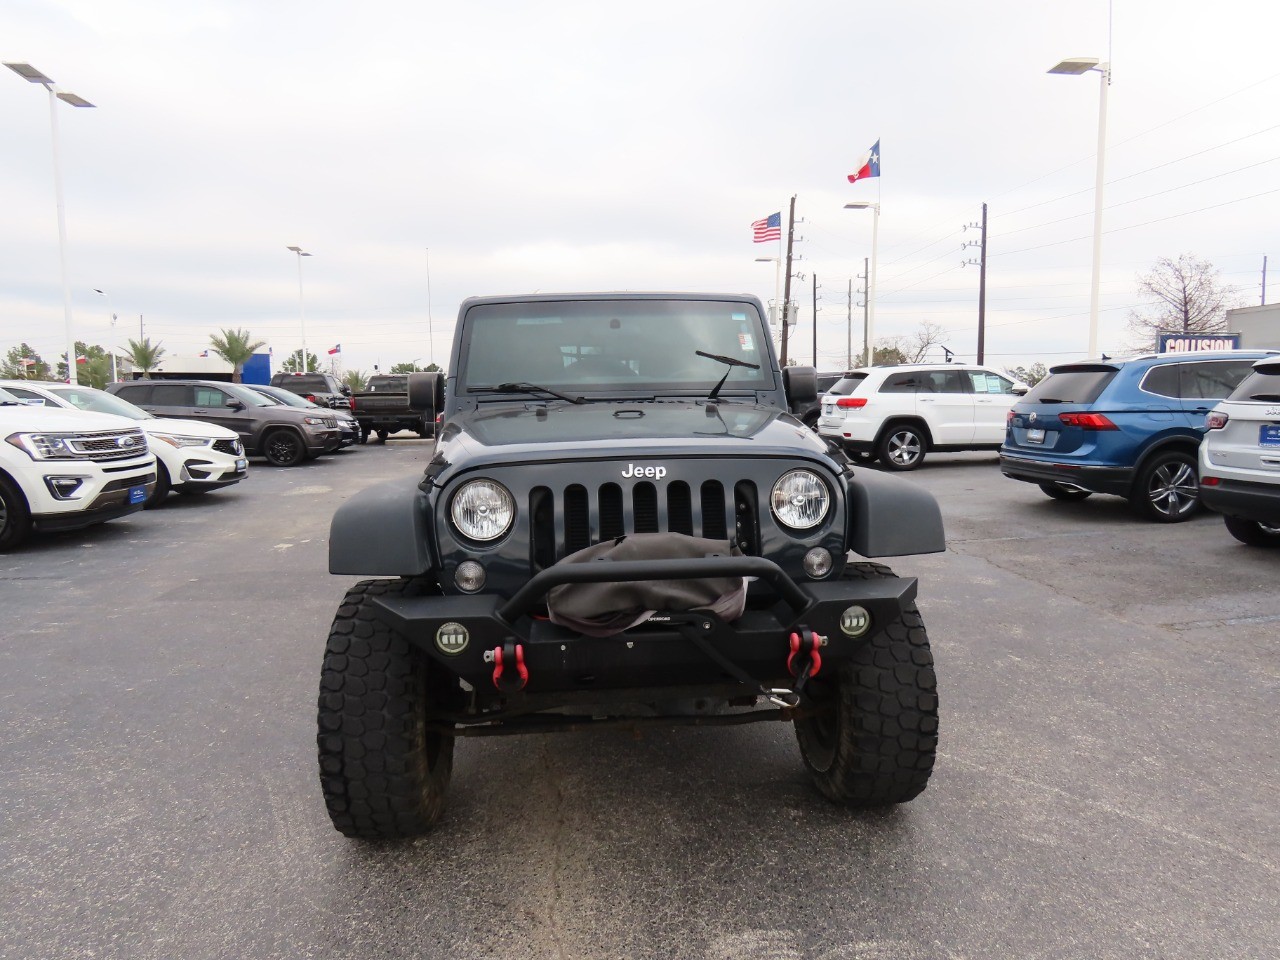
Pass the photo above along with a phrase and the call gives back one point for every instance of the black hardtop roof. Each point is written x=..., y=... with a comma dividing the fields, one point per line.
x=605, y=295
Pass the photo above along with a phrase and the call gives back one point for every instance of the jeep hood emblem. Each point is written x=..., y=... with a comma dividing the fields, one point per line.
x=654, y=473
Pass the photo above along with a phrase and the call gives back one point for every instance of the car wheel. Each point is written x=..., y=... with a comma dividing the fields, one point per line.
x=163, y=485
x=902, y=447
x=1252, y=532
x=1060, y=491
x=15, y=516
x=873, y=735
x=283, y=448
x=383, y=773
x=1167, y=490
x=382, y=436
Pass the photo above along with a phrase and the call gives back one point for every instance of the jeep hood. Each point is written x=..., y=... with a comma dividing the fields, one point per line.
x=506, y=432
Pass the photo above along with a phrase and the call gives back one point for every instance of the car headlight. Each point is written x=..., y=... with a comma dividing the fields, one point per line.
x=482, y=510
x=175, y=440
x=43, y=446
x=800, y=499
x=313, y=421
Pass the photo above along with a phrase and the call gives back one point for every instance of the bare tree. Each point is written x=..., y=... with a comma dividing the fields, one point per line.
x=1187, y=296
x=913, y=348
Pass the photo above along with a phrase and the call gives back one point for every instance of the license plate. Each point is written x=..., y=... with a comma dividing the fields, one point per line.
x=137, y=494
x=1269, y=435
x=827, y=408
x=242, y=465
x=1035, y=435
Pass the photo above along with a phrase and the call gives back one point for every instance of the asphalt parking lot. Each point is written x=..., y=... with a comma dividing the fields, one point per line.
x=1106, y=783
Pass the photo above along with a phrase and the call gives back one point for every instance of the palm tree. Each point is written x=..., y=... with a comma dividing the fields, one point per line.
x=234, y=346
x=144, y=356
x=357, y=380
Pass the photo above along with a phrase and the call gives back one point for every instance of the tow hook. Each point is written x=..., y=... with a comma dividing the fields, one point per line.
x=509, y=655
x=805, y=659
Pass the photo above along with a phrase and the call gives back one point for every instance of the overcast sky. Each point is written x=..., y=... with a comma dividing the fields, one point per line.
x=498, y=147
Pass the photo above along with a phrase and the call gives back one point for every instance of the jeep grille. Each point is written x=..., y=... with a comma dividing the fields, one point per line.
x=578, y=517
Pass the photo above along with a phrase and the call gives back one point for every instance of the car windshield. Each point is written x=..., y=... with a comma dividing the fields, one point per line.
x=285, y=398
x=99, y=401
x=646, y=346
x=250, y=398
x=1261, y=385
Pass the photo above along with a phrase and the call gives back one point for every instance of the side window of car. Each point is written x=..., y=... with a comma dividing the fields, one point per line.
x=1164, y=380
x=1213, y=379
x=23, y=394
x=210, y=397
x=138, y=393
x=900, y=383
x=984, y=381
x=169, y=395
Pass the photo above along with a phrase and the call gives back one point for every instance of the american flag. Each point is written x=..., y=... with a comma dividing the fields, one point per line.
x=770, y=228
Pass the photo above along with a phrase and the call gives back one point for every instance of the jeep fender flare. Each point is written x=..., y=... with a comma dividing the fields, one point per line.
x=383, y=530
x=889, y=516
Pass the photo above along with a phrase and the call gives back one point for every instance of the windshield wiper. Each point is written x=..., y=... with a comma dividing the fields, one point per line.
x=732, y=362
x=1268, y=397
x=1050, y=400
x=522, y=387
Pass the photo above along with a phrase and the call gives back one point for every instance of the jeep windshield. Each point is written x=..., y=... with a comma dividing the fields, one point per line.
x=645, y=346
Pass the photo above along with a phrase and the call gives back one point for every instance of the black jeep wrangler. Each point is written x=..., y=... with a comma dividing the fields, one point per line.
x=622, y=524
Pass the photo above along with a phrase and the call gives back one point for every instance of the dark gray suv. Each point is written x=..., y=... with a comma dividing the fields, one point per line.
x=284, y=435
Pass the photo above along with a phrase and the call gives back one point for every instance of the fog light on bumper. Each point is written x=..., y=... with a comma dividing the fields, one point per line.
x=855, y=621
x=63, y=488
x=818, y=563
x=469, y=576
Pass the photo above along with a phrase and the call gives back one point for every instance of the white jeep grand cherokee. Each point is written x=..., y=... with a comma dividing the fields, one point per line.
x=900, y=413
x=61, y=470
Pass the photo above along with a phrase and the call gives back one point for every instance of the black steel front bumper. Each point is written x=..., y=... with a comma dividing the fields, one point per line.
x=655, y=654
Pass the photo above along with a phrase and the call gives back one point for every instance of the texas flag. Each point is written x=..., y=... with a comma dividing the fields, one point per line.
x=204, y=353
x=868, y=166
x=337, y=348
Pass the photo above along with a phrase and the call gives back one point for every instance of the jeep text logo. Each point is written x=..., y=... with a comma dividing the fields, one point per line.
x=655, y=473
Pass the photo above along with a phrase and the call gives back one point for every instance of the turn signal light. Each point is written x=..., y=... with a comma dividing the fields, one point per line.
x=1087, y=421
x=852, y=403
x=1216, y=420
x=1210, y=481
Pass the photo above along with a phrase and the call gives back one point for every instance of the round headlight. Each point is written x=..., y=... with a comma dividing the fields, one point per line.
x=482, y=510
x=800, y=499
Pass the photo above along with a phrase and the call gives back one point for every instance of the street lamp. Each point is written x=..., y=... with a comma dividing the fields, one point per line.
x=1075, y=67
x=30, y=73
x=871, y=284
x=302, y=310
x=777, y=285
x=103, y=294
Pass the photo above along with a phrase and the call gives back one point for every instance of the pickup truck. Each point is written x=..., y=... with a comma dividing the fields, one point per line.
x=383, y=408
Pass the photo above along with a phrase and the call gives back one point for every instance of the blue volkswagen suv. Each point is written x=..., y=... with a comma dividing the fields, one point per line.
x=1130, y=428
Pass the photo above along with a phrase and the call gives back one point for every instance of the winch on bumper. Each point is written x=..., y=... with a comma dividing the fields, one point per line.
x=462, y=633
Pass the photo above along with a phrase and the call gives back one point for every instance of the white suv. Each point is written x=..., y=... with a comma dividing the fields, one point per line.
x=191, y=456
x=1240, y=458
x=61, y=470
x=900, y=413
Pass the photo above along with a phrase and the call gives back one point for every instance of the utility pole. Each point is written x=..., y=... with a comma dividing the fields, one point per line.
x=1264, y=279
x=786, y=290
x=981, y=264
x=848, y=330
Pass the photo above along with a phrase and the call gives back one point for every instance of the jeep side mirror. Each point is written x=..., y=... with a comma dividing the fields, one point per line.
x=1020, y=390
x=426, y=393
x=801, y=385
x=235, y=404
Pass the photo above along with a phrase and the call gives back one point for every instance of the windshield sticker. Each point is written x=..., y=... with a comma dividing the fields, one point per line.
x=740, y=317
x=745, y=342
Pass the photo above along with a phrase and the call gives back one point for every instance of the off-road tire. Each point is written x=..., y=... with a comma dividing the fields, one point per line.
x=876, y=743
x=1167, y=489
x=162, y=488
x=382, y=773
x=902, y=446
x=1253, y=533
x=15, y=516
x=283, y=448
x=1069, y=494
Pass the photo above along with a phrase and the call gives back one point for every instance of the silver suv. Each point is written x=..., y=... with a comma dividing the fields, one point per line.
x=1240, y=458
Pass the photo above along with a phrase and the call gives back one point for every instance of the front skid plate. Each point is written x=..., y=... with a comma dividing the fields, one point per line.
x=649, y=655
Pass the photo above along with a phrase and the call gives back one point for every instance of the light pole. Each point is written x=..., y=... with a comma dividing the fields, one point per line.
x=1075, y=67
x=302, y=310
x=30, y=73
x=103, y=294
x=777, y=285
x=871, y=283
x=431, y=340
